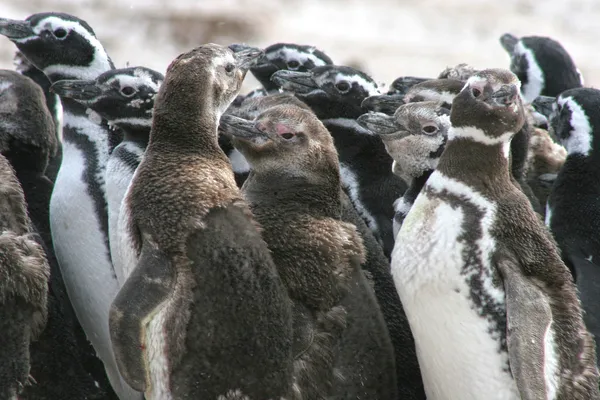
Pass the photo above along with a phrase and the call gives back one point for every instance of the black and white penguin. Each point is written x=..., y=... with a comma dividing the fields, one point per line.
x=287, y=56
x=24, y=276
x=342, y=347
x=124, y=98
x=573, y=212
x=542, y=64
x=414, y=137
x=335, y=93
x=492, y=307
x=203, y=289
x=24, y=67
x=65, y=47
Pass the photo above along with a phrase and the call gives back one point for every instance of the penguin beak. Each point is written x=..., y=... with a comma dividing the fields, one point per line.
x=378, y=123
x=543, y=105
x=509, y=41
x=239, y=128
x=245, y=56
x=401, y=85
x=78, y=90
x=384, y=103
x=293, y=81
x=506, y=96
x=15, y=29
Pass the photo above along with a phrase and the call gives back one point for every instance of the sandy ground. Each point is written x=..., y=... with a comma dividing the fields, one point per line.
x=385, y=38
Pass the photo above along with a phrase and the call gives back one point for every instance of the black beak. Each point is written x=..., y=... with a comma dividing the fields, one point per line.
x=543, y=105
x=384, y=103
x=15, y=29
x=293, y=81
x=245, y=56
x=378, y=123
x=402, y=84
x=78, y=90
x=509, y=41
x=240, y=128
x=506, y=95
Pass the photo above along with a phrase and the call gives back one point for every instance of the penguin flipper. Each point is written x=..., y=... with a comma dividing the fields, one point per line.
x=588, y=285
x=528, y=316
x=148, y=286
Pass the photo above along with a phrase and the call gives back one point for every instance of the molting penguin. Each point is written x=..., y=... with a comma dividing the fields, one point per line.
x=335, y=94
x=287, y=56
x=492, y=307
x=573, y=213
x=461, y=72
x=542, y=65
x=24, y=275
x=342, y=346
x=65, y=47
x=24, y=67
x=125, y=98
x=203, y=289
x=414, y=137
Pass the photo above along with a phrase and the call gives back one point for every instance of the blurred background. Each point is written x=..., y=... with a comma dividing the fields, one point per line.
x=385, y=38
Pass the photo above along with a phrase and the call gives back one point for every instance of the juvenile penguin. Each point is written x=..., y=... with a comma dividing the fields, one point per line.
x=203, y=312
x=573, y=212
x=24, y=276
x=342, y=347
x=125, y=98
x=492, y=307
x=335, y=93
x=65, y=47
x=542, y=64
x=414, y=137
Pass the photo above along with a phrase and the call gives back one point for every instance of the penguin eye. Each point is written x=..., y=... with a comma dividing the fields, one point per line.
x=293, y=64
x=430, y=129
x=60, y=33
x=342, y=86
x=287, y=135
x=127, y=91
x=229, y=68
x=476, y=92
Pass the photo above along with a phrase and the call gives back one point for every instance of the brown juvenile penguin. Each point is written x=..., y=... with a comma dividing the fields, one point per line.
x=203, y=313
x=342, y=347
x=493, y=309
x=24, y=275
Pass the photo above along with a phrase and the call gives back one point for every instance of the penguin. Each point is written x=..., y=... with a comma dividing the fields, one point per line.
x=334, y=94
x=461, y=72
x=202, y=289
x=342, y=347
x=65, y=47
x=24, y=67
x=542, y=64
x=287, y=56
x=401, y=85
x=414, y=137
x=125, y=98
x=493, y=309
x=24, y=276
x=572, y=212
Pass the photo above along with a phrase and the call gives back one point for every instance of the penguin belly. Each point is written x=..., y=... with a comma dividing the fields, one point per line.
x=462, y=353
x=80, y=249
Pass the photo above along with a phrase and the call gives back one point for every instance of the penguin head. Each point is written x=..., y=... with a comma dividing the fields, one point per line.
x=287, y=56
x=575, y=118
x=325, y=86
x=284, y=138
x=212, y=72
x=401, y=85
x=124, y=97
x=489, y=107
x=460, y=72
x=61, y=45
x=414, y=136
x=542, y=65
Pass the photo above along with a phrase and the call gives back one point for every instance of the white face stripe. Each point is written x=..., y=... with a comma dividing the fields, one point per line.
x=289, y=53
x=579, y=140
x=140, y=78
x=535, y=76
x=370, y=87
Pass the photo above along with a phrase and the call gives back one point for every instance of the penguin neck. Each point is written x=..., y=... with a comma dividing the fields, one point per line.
x=415, y=187
x=475, y=163
x=136, y=134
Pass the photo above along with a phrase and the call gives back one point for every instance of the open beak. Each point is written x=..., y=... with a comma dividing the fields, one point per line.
x=79, y=90
x=293, y=81
x=384, y=103
x=15, y=29
x=245, y=56
x=240, y=128
x=509, y=41
x=378, y=123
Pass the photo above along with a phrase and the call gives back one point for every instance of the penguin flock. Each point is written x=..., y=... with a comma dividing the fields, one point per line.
x=167, y=237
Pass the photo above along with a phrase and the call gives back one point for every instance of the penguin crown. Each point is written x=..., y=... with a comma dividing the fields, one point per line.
x=489, y=108
x=59, y=44
x=575, y=119
x=121, y=96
